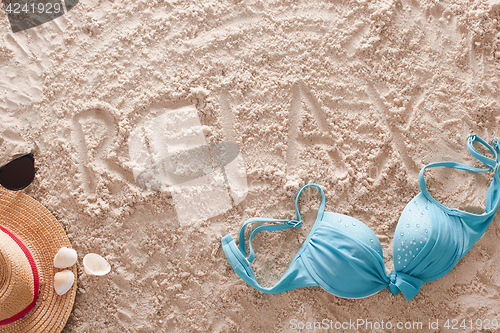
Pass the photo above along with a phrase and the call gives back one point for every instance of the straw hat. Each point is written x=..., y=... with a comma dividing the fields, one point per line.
x=30, y=237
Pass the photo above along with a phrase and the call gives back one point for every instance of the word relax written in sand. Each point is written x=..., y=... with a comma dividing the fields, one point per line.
x=170, y=152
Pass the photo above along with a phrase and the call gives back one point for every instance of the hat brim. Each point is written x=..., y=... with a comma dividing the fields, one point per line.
x=42, y=234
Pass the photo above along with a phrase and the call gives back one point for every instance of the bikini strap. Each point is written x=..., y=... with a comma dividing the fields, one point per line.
x=496, y=144
x=486, y=160
x=493, y=193
x=283, y=224
x=321, y=208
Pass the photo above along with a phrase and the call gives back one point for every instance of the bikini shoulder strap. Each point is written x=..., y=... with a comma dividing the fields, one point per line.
x=282, y=223
x=493, y=193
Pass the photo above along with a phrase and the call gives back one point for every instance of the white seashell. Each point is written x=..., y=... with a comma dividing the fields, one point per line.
x=94, y=264
x=63, y=281
x=65, y=258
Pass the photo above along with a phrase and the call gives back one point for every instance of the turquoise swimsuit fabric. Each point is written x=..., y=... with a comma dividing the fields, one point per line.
x=344, y=256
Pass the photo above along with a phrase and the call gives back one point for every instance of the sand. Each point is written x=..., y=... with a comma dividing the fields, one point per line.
x=354, y=96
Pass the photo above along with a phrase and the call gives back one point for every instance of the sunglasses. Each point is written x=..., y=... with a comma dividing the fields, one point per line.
x=18, y=173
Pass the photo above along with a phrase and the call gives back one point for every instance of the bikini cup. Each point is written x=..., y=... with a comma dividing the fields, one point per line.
x=344, y=256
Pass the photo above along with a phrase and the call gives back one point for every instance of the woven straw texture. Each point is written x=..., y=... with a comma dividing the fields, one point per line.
x=16, y=289
x=42, y=234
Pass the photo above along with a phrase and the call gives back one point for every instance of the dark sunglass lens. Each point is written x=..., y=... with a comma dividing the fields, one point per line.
x=18, y=174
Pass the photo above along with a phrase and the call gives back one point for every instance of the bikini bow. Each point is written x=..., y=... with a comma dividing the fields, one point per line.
x=405, y=283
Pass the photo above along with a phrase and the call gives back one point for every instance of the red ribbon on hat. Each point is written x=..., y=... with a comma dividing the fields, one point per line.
x=36, y=280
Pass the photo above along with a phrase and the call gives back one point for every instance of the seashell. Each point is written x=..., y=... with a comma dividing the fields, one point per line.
x=65, y=258
x=63, y=281
x=94, y=264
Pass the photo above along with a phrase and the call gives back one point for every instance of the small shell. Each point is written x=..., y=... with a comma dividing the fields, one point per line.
x=65, y=258
x=63, y=281
x=94, y=264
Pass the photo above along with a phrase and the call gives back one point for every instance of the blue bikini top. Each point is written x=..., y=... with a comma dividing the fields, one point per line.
x=344, y=256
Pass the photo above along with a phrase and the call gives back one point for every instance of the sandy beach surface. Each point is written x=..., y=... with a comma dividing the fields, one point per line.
x=355, y=96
